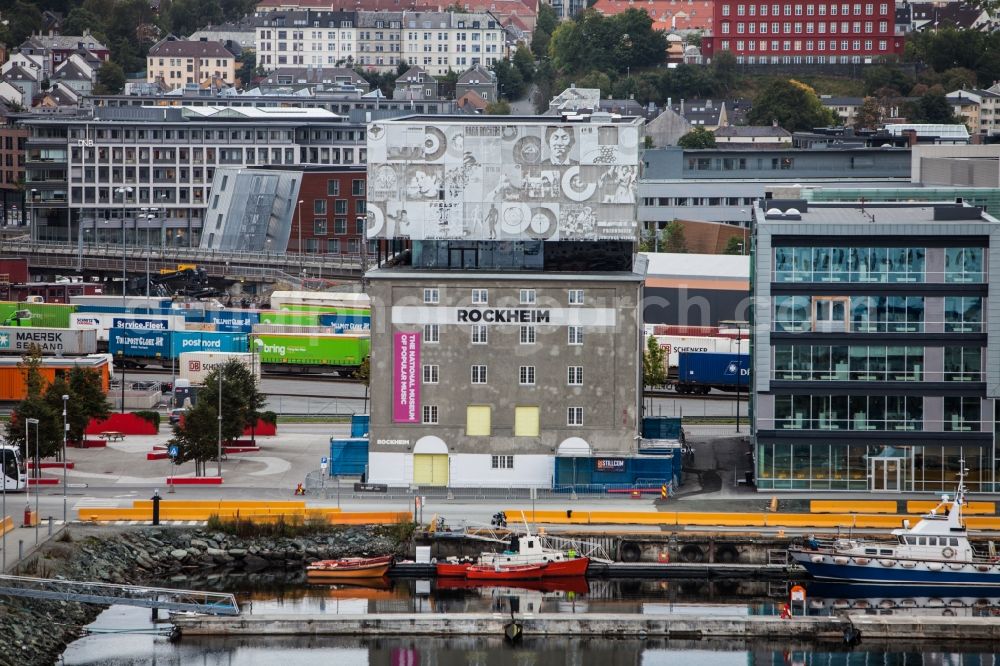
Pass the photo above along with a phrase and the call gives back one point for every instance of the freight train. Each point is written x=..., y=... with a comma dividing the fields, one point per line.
x=700, y=372
x=140, y=332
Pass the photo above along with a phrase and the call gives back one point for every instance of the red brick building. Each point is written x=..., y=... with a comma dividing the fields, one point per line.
x=804, y=32
x=12, y=188
x=329, y=217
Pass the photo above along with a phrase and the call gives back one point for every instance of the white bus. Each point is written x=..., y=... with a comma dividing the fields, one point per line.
x=14, y=471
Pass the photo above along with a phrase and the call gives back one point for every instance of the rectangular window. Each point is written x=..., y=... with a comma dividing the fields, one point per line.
x=333, y=188
x=431, y=374
x=432, y=296
x=526, y=421
x=319, y=226
x=963, y=264
x=430, y=414
x=480, y=296
x=432, y=333
x=477, y=421
x=527, y=297
x=479, y=374
x=962, y=414
x=574, y=416
x=575, y=335
x=502, y=462
x=319, y=206
x=526, y=375
x=358, y=188
x=574, y=375
x=963, y=364
x=963, y=314
x=576, y=296
x=527, y=335
x=479, y=334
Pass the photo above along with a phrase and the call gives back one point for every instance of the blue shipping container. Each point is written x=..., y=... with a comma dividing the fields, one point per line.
x=359, y=425
x=233, y=321
x=110, y=309
x=713, y=368
x=348, y=457
x=139, y=344
x=207, y=341
x=645, y=471
x=345, y=323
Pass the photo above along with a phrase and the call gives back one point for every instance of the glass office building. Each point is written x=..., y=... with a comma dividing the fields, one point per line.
x=874, y=367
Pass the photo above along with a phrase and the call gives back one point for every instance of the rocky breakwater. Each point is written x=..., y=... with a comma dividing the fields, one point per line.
x=36, y=632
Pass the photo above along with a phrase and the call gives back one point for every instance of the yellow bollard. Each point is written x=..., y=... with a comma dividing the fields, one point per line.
x=774, y=504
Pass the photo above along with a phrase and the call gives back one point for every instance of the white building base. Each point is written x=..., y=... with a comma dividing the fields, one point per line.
x=466, y=470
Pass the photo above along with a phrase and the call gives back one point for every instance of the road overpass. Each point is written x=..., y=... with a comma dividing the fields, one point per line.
x=107, y=260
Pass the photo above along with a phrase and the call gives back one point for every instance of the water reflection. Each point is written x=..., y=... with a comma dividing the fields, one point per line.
x=127, y=649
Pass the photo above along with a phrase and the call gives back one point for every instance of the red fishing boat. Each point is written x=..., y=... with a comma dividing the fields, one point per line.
x=350, y=567
x=504, y=572
x=453, y=569
x=528, y=549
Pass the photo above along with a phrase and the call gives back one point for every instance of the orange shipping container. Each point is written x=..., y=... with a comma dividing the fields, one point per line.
x=12, y=386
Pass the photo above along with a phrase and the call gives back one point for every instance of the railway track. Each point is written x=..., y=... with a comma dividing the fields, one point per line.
x=264, y=374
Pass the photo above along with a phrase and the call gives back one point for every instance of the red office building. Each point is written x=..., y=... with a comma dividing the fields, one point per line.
x=329, y=216
x=804, y=32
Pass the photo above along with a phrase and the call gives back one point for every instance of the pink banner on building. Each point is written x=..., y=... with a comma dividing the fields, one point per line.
x=406, y=378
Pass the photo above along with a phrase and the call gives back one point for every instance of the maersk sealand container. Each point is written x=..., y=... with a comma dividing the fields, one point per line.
x=207, y=341
x=727, y=372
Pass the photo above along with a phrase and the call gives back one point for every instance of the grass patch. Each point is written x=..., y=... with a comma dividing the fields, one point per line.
x=403, y=531
x=283, y=527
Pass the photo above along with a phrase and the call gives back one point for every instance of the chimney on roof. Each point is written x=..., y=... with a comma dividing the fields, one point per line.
x=774, y=122
x=682, y=106
x=708, y=104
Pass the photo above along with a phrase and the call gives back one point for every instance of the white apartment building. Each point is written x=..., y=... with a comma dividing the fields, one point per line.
x=436, y=41
x=149, y=170
x=379, y=40
x=439, y=41
x=306, y=38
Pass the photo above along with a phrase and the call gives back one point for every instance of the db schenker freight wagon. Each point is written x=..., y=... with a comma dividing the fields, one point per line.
x=313, y=353
x=701, y=372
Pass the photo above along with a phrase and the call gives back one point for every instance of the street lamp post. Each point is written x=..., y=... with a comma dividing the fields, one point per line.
x=65, y=399
x=254, y=346
x=31, y=219
x=124, y=192
x=218, y=458
x=27, y=490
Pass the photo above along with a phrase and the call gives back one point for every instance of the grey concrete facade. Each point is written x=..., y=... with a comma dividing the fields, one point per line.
x=609, y=356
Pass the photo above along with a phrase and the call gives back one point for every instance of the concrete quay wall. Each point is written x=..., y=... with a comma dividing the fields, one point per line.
x=604, y=625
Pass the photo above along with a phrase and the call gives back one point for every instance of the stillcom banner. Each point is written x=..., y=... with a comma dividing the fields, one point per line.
x=405, y=378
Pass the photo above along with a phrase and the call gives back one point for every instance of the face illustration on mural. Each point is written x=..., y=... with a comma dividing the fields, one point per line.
x=423, y=185
x=560, y=142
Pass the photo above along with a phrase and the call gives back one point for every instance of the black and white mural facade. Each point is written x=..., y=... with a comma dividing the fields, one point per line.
x=503, y=181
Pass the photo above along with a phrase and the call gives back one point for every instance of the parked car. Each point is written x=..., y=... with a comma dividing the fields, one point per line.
x=175, y=415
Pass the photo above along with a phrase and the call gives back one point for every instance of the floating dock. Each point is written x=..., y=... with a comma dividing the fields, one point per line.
x=675, y=626
x=647, y=570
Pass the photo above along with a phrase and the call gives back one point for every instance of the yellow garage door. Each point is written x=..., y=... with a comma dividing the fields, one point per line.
x=430, y=469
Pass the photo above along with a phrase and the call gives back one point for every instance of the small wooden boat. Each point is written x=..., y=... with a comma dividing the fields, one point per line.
x=349, y=567
x=452, y=569
x=504, y=572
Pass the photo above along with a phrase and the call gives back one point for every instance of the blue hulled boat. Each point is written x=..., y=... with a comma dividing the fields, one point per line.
x=935, y=551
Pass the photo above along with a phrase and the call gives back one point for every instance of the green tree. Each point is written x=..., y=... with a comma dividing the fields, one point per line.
x=364, y=375
x=870, y=114
x=87, y=401
x=734, y=245
x=23, y=19
x=110, y=79
x=197, y=438
x=673, y=238
x=247, y=69
x=510, y=83
x=724, y=71
x=498, y=108
x=793, y=105
x=525, y=63
x=48, y=438
x=933, y=108
x=446, y=83
x=699, y=137
x=545, y=25
x=654, y=365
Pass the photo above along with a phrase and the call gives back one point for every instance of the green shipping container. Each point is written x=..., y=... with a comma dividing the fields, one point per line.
x=332, y=350
x=283, y=318
x=325, y=309
x=43, y=315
